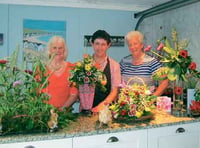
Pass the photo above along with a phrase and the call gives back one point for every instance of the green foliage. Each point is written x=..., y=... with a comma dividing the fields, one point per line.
x=23, y=107
x=197, y=94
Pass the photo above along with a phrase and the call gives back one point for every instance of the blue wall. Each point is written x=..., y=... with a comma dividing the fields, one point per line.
x=79, y=22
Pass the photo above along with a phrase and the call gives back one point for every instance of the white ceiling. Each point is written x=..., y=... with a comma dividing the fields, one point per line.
x=130, y=5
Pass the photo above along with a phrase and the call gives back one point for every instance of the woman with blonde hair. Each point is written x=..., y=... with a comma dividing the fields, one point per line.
x=58, y=70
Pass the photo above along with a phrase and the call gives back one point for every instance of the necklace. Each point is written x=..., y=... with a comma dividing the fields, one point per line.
x=57, y=69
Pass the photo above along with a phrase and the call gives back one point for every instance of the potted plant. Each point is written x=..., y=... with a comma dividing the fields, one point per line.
x=85, y=75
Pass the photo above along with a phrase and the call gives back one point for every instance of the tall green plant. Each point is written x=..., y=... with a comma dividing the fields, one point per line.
x=23, y=106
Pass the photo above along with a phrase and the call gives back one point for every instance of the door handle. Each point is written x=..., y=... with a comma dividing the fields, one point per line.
x=112, y=139
x=180, y=130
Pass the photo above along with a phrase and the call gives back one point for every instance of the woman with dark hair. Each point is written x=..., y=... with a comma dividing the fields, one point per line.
x=100, y=43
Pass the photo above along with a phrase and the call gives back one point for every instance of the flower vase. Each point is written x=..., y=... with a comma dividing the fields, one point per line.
x=178, y=107
x=86, y=95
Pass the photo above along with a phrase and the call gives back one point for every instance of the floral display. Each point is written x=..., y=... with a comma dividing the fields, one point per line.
x=23, y=108
x=87, y=71
x=134, y=101
x=195, y=104
x=177, y=63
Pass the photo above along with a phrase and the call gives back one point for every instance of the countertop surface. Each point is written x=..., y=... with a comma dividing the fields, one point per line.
x=89, y=125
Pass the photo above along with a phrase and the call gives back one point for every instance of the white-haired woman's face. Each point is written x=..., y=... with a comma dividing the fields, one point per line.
x=134, y=45
x=57, y=50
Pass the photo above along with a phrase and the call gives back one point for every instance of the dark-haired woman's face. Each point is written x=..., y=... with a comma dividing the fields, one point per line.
x=100, y=47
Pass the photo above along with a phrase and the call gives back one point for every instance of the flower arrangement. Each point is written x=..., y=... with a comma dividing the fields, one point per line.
x=177, y=64
x=23, y=108
x=195, y=104
x=134, y=101
x=87, y=71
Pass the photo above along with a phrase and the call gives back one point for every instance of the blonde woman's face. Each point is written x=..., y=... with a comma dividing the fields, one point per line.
x=134, y=45
x=57, y=49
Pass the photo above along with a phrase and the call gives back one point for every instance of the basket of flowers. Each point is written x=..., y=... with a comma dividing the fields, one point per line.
x=135, y=103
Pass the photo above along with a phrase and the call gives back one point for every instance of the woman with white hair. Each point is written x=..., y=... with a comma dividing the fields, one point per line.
x=58, y=88
x=140, y=65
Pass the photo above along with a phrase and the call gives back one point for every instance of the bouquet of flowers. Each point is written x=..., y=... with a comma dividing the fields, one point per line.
x=134, y=101
x=176, y=61
x=87, y=71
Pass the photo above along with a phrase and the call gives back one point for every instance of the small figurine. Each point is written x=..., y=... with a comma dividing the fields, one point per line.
x=53, y=121
x=105, y=116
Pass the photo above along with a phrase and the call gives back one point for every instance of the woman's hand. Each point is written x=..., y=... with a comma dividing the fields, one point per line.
x=97, y=108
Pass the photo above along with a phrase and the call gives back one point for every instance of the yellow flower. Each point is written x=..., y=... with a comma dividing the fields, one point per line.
x=138, y=114
x=112, y=107
x=78, y=64
x=147, y=109
x=87, y=67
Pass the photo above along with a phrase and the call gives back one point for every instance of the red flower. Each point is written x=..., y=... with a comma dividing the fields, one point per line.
x=183, y=53
x=122, y=103
x=123, y=112
x=3, y=61
x=195, y=106
x=136, y=93
x=85, y=56
x=86, y=80
x=192, y=66
x=96, y=65
x=28, y=71
x=178, y=90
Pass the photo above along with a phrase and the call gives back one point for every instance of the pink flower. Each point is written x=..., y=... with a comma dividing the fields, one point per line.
x=88, y=73
x=17, y=83
x=147, y=48
x=160, y=46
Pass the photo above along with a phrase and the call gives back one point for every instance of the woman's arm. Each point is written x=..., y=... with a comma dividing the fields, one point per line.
x=161, y=87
